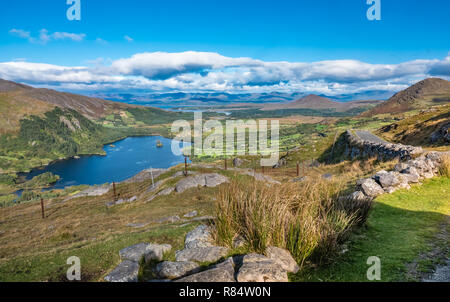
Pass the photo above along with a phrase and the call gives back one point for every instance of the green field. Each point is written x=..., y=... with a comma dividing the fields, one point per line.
x=400, y=230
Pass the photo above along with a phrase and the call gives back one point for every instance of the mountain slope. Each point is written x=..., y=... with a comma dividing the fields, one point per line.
x=317, y=102
x=92, y=108
x=426, y=93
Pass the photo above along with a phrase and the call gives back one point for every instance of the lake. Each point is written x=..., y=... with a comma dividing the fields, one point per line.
x=124, y=159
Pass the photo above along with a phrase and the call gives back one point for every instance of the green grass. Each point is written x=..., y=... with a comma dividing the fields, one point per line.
x=399, y=230
x=97, y=258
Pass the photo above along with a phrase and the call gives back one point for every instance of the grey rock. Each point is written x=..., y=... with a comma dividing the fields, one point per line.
x=126, y=271
x=91, y=192
x=283, y=258
x=156, y=251
x=149, y=251
x=258, y=268
x=357, y=196
x=223, y=272
x=134, y=253
x=203, y=180
x=202, y=254
x=174, y=270
x=388, y=179
x=199, y=237
x=400, y=167
x=371, y=188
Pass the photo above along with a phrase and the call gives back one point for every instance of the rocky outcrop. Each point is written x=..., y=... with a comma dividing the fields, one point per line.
x=441, y=134
x=357, y=148
x=199, y=249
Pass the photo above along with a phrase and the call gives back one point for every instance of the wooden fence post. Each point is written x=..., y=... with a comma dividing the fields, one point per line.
x=42, y=208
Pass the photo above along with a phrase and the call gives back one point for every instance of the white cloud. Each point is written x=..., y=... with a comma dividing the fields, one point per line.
x=101, y=41
x=45, y=37
x=203, y=71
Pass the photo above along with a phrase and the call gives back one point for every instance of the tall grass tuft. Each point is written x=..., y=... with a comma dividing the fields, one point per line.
x=305, y=218
x=444, y=168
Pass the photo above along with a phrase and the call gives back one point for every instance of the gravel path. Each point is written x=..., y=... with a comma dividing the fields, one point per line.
x=368, y=136
x=442, y=274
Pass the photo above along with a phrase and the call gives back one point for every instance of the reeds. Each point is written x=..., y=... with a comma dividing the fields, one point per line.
x=304, y=218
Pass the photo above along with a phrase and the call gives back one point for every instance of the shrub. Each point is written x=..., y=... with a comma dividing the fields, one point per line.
x=305, y=218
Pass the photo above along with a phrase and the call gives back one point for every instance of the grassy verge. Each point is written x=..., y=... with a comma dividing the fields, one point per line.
x=399, y=230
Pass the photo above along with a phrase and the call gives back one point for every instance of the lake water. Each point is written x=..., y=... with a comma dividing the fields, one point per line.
x=124, y=159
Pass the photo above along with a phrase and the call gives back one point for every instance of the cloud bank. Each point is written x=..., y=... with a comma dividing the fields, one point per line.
x=205, y=71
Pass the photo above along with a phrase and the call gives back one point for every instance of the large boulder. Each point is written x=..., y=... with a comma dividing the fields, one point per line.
x=126, y=271
x=199, y=237
x=174, y=270
x=370, y=187
x=388, y=179
x=202, y=254
x=283, y=258
x=259, y=268
x=223, y=272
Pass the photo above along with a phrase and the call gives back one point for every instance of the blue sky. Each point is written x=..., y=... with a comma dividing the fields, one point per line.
x=268, y=31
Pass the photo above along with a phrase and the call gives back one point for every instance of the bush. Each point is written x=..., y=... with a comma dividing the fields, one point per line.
x=304, y=218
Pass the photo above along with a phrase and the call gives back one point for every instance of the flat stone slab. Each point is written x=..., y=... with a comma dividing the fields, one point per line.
x=259, y=268
x=199, y=237
x=126, y=271
x=202, y=254
x=174, y=270
x=223, y=272
x=210, y=180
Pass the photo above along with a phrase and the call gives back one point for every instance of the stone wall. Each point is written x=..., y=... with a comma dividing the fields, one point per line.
x=356, y=148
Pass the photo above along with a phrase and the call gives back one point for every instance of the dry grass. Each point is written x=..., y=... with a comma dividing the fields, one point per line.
x=444, y=169
x=305, y=218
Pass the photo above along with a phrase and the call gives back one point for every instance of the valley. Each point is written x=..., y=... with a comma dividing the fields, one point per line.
x=164, y=205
